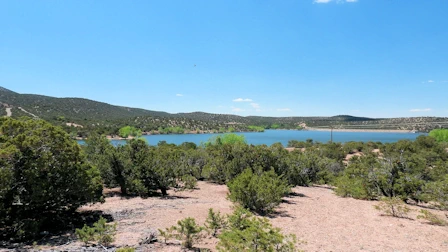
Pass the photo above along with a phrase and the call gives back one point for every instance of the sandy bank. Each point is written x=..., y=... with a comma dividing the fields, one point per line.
x=361, y=130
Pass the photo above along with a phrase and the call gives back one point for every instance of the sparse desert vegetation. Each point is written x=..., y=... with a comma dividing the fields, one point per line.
x=224, y=195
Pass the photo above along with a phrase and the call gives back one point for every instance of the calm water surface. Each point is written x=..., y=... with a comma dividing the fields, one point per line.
x=283, y=136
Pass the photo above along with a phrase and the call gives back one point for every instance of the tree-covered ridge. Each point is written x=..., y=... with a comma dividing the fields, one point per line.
x=76, y=109
x=81, y=116
x=422, y=124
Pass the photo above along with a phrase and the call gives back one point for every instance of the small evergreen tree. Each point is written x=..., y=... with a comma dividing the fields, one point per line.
x=249, y=233
x=260, y=193
x=432, y=218
x=166, y=234
x=214, y=222
x=101, y=232
x=393, y=206
x=188, y=231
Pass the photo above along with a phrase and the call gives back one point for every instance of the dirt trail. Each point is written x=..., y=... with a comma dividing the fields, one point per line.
x=31, y=114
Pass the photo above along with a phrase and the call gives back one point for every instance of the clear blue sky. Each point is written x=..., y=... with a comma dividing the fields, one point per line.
x=377, y=58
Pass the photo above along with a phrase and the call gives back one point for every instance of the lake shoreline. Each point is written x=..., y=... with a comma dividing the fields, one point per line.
x=270, y=137
x=110, y=137
x=362, y=130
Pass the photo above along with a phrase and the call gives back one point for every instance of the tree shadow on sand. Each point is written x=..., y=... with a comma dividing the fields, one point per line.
x=279, y=213
x=55, y=230
x=296, y=194
x=174, y=197
x=151, y=194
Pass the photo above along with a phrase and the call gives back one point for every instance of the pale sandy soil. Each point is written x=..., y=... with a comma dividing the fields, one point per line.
x=8, y=112
x=359, y=130
x=159, y=213
x=31, y=114
x=330, y=223
x=304, y=126
x=290, y=149
x=74, y=125
x=119, y=138
x=324, y=221
x=349, y=156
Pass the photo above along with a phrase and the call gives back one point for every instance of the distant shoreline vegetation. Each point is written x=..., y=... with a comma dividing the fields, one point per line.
x=129, y=132
x=269, y=137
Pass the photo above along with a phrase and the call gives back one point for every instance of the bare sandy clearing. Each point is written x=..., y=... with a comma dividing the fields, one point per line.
x=315, y=214
x=8, y=112
x=360, y=130
x=74, y=125
x=156, y=212
x=349, y=156
x=290, y=149
x=319, y=217
x=330, y=223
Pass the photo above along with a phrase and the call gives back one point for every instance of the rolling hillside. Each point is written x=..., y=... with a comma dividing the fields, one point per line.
x=72, y=113
x=50, y=108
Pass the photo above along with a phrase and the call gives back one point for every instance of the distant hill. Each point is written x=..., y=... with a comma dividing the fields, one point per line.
x=51, y=108
x=107, y=118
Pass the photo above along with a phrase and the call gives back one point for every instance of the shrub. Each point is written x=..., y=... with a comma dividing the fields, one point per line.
x=249, y=233
x=129, y=131
x=255, y=128
x=167, y=233
x=260, y=193
x=227, y=139
x=86, y=234
x=437, y=193
x=188, y=231
x=441, y=135
x=351, y=187
x=214, y=222
x=393, y=206
x=189, y=182
x=43, y=175
x=101, y=232
x=432, y=218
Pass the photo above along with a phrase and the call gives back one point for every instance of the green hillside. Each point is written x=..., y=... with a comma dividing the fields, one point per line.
x=75, y=109
x=81, y=116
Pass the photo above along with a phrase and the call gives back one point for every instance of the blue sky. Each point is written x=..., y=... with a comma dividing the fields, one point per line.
x=377, y=58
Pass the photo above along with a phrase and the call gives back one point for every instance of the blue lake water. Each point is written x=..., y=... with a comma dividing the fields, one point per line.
x=283, y=136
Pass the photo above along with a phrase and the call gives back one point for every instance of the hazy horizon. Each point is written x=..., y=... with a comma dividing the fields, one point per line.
x=377, y=59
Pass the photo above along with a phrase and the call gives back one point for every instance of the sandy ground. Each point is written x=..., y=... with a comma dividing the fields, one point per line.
x=290, y=149
x=324, y=221
x=8, y=112
x=360, y=130
x=331, y=223
x=159, y=213
x=305, y=127
x=74, y=125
